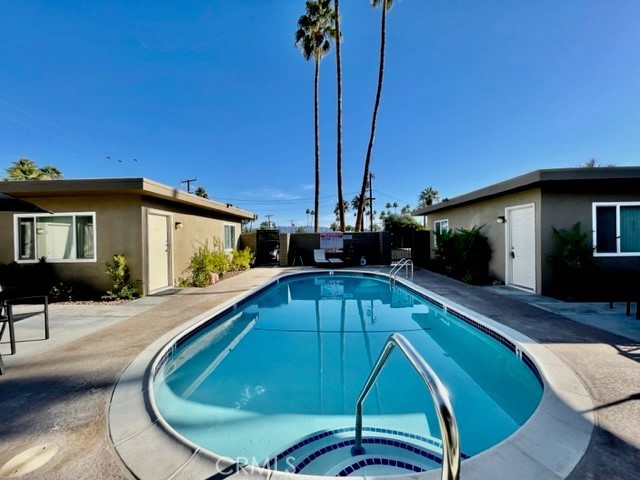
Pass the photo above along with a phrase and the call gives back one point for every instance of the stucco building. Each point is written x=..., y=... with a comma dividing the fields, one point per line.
x=518, y=216
x=155, y=226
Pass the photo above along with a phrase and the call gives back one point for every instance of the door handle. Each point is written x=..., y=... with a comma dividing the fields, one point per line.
x=513, y=255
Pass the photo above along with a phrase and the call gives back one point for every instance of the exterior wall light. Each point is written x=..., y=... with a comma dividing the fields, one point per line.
x=501, y=219
x=178, y=225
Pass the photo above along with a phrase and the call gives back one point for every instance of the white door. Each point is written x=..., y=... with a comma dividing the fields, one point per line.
x=521, y=246
x=158, y=259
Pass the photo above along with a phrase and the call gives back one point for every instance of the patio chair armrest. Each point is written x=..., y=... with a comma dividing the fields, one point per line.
x=31, y=300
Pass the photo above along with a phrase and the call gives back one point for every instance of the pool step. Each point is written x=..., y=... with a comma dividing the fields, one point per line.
x=387, y=452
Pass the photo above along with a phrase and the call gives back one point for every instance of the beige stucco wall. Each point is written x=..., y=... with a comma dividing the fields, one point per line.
x=197, y=228
x=118, y=230
x=121, y=228
x=485, y=213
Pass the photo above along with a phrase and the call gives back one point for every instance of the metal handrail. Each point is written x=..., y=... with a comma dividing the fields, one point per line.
x=444, y=410
x=404, y=262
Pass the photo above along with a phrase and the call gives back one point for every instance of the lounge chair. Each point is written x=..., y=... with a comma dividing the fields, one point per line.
x=321, y=260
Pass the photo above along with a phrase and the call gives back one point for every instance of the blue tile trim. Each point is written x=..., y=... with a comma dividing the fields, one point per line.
x=270, y=463
x=379, y=461
x=363, y=463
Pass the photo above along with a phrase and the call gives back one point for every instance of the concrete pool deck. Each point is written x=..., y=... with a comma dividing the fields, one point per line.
x=59, y=390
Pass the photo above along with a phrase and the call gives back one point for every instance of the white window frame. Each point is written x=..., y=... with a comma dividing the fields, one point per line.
x=444, y=221
x=34, y=216
x=617, y=253
x=224, y=234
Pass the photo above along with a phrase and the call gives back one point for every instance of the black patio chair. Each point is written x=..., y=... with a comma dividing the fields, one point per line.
x=8, y=317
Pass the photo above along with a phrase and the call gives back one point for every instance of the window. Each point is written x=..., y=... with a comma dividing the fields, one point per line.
x=229, y=237
x=616, y=228
x=440, y=227
x=68, y=237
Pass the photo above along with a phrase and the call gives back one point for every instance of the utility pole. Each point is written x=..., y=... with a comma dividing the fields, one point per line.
x=371, y=199
x=188, y=182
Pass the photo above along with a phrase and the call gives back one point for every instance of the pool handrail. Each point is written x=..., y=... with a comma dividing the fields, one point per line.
x=404, y=262
x=439, y=394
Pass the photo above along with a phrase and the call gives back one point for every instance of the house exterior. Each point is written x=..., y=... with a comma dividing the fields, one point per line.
x=518, y=216
x=155, y=226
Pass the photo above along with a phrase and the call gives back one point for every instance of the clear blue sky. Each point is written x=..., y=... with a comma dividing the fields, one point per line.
x=474, y=93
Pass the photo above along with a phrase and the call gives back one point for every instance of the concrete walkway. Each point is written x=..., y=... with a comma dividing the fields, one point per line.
x=58, y=391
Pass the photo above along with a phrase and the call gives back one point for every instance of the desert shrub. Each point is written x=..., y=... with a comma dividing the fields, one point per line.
x=205, y=261
x=463, y=254
x=123, y=287
x=242, y=259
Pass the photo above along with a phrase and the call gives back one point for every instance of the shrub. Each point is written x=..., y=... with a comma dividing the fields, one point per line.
x=463, y=254
x=572, y=261
x=123, y=287
x=205, y=261
x=242, y=259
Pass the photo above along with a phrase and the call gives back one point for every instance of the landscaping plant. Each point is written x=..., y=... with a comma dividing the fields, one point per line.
x=463, y=254
x=123, y=287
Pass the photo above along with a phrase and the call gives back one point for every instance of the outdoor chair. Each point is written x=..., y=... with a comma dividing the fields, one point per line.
x=8, y=317
x=321, y=260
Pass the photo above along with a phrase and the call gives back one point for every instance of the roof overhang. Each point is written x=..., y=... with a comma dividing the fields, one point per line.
x=117, y=186
x=536, y=179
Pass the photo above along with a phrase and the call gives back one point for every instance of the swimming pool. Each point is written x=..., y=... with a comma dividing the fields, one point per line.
x=284, y=367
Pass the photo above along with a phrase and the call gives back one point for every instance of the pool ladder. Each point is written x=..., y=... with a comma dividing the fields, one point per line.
x=444, y=410
x=407, y=263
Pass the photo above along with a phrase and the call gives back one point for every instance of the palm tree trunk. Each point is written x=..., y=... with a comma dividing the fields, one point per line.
x=316, y=201
x=339, y=123
x=367, y=162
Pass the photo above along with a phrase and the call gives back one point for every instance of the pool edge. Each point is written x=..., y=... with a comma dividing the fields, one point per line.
x=148, y=446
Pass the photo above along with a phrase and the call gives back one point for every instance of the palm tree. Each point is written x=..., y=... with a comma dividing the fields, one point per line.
x=337, y=211
x=355, y=204
x=23, y=169
x=427, y=197
x=338, y=39
x=383, y=32
x=395, y=207
x=315, y=28
x=49, y=172
x=201, y=192
x=406, y=210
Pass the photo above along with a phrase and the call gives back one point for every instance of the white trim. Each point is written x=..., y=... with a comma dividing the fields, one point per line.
x=508, y=274
x=170, y=259
x=617, y=205
x=235, y=236
x=16, y=237
x=435, y=234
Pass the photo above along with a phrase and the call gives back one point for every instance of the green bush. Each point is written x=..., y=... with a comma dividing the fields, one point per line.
x=242, y=259
x=123, y=287
x=206, y=261
x=463, y=254
x=572, y=261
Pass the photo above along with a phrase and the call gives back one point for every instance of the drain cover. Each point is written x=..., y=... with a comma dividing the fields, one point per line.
x=29, y=460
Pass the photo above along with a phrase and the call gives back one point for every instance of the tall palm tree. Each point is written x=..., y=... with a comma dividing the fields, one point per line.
x=338, y=38
x=23, y=169
x=315, y=28
x=427, y=197
x=383, y=33
x=49, y=172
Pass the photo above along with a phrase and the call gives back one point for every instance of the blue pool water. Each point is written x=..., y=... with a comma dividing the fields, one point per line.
x=291, y=361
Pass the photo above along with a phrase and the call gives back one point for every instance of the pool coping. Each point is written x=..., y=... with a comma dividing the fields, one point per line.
x=547, y=446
